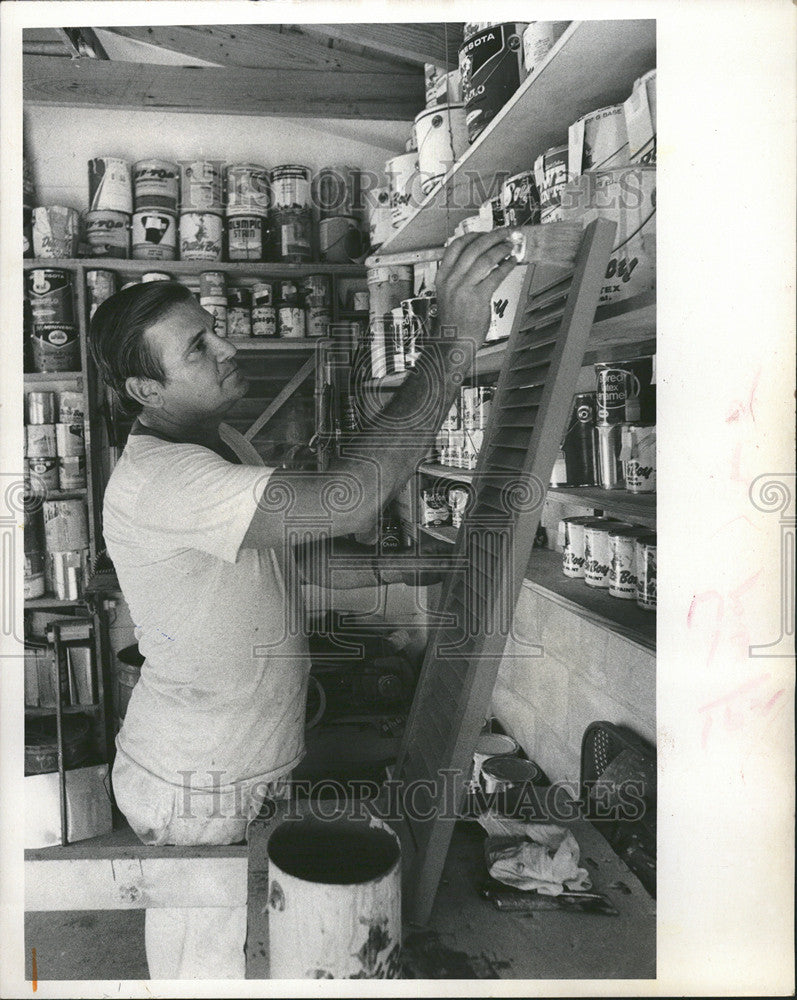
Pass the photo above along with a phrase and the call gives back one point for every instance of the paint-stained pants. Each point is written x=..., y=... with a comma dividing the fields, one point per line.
x=198, y=942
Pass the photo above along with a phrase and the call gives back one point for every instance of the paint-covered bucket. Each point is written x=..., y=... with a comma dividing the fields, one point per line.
x=248, y=190
x=334, y=900
x=491, y=67
x=201, y=236
x=246, y=235
x=156, y=184
x=550, y=172
x=290, y=187
x=56, y=231
x=337, y=191
x=340, y=240
x=598, y=141
x=504, y=772
x=538, y=40
x=640, y=120
x=107, y=234
x=442, y=138
x=201, y=187
x=404, y=184
x=154, y=235
x=379, y=224
x=110, y=187
x=292, y=233
x=626, y=196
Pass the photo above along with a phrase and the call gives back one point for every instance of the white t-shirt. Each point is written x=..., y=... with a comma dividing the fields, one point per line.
x=222, y=692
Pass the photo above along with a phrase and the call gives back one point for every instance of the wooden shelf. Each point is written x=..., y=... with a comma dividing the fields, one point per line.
x=66, y=494
x=442, y=532
x=545, y=577
x=53, y=602
x=639, y=508
x=594, y=64
x=277, y=344
x=36, y=712
x=447, y=472
x=242, y=268
x=386, y=382
x=45, y=378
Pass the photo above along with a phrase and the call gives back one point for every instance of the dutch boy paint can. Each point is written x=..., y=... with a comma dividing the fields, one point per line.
x=598, y=553
x=571, y=538
x=69, y=440
x=622, y=574
x=70, y=407
x=55, y=232
x=201, y=235
x=638, y=456
x=404, y=184
x=154, y=235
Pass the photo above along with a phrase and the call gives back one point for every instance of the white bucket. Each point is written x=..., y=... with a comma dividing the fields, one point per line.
x=442, y=138
x=538, y=40
x=598, y=141
x=504, y=302
x=627, y=196
x=640, y=120
x=404, y=184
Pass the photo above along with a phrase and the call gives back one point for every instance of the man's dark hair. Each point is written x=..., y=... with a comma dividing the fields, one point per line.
x=116, y=334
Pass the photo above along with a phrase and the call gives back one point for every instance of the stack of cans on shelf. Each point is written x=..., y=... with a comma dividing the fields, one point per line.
x=317, y=292
x=460, y=438
x=55, y=450
x=66, y=540
x=107, y=222
x=611, y=555
x=156, y=197
x=201, y=211
x=246, y=212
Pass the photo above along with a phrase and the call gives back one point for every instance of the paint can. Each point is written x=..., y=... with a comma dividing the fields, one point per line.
x=110, y=188
x=598, y=552
x=504, y=304
x=40, y=440
x=646, y=564
x=41, y=408
x=505, y=772
x=100, y=285
x=217, y=307
x=201, y=236
x=609, y=467
x=419, y=324
x=291, y=322
x=72, y=472
x=264, y=312
x=154, y=235
x=379, y=224
x=395, y=345
x=318, y=320
x=201, y=187
x=292, y=235
x=458, y=499
x=441, y=87
x=340, y=240
x=598, y=141
x=246, y=237
x=476, y=401
x=640, y=120
x=213, y=285
x=66, y=573
x=404, y=185
x=638, y=455
x=491, y=745
x=622, y=574
x=571, y=538
x=107, y=234
x=520, y=200
x=70, y=440
x=54, y=338
x=334, y=899
x=538, y=40
x=239, y=312
x=65, y=525
x=41, y=474
x=491, y=67
x=388, y=286
x=290, y=187
x=576, y=464
x=248, y=190
x=337, y=191
x=626, y=196
x=156, y=184
x=55, y=233
x=551, y=174
x=624, y=391
x=442, y=138
x=70, y=407
x=317, y=290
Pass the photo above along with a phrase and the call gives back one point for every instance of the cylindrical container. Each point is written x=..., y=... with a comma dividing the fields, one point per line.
x=201, y=236
x=379, y=224
x=520, y=200
x=56, y=231
x=201, y=188
x=638, y=456
x=248, y=191
x=41, y=474
x=598, y=551
x=55, y=347
x=646, y=562
x=388, y=286
x=571, y=537
x=472, y=28
x=598, y=141
x=626, y=196
x=154, y=235
x=337, y=191
x=154, y=276
x=317, y=290
x=110, y=188
x=491, y=745
x=358, y=301
x=127, y=671
x=291, y=322
x=609, y=444
x=420, y=323
x=340, y=240
x=290, y=187
x=292, y=234
x=107, y=234
x=65, y=525
x=66, y=573
x=156, y=184
x=578, y=444
x=640, y=120
x=404, y=185
x=264, y=312
x=458, y=497
x=246, y=237
x=72, y=472
x=503, y=772
x=442, y=87
x=334, y=900
x=239, y=312
x=69, y=440
x=504, y=304
x=317, y=321
x=476, y=403
x=70, y=407
x=40, y=440
x=622, y=574
x=551, y=174
x=538, y=40
x=624, y=391
x=49, y=291
x=217, y=307
x=213, y=285
x=491, y=67
x=395, y=348
x=100, y=285
x=442, y=138
x=41, y=408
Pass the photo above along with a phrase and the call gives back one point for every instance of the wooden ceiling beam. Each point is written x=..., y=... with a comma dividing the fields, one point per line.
x=415, y=43
x=236, y=91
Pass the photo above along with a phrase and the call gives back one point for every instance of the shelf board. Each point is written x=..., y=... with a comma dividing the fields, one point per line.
x=386, y=382
x=67, y=710
x=447, y=472
x=53, y=602
x=442, y=532
x=242, y=268
x=639, y=508
x=43, y=378
x=545, y=577
x=278, y=344
x=66, y=494
x=594, y=64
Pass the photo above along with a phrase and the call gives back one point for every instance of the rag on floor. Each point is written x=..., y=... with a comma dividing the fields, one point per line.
x=538, y=856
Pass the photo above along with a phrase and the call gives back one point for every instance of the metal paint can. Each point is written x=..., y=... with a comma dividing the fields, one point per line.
x=491, y=67
x=442, y=139
x=395, y=348
x=200, y=188
x=571, y=538
x=264, y=312
x=248, y=190
x=458, y=497
x=107, y=234
x=340, y=240
x=622, y=575
x=503, y=772
x=290, y=187
x=55, y=233
x=213, y=285
x=598, y=551
x=538, y=40
x=491, y=745
x=70, y=440
x=646, y=566
x=337, y=191
x=40, y=440
x=598, y=141
x=638, y=455
x=65, y=525
x=156, y=184
x=56, y=347
x=246, y=237
x=420, y=323
x=154, y=235
x=317, y=290
x=404, y=185
x=520, y=200
x=318, y=320
x=551, y=174
x=504, y=304
x=441, y=87
x=70, y=407
x=291, y=322
x=624, y=391
x=293, y=235
x=476, y=403
x=72, y=472
x=49, y=291
x=610, y=467
x=100, y=285
x=578, y=445
x=66, y=573
x=239, y=312
x=41, y=408
x=41, y=473
x=110, y=188
x=217, y=307
x=201, y=236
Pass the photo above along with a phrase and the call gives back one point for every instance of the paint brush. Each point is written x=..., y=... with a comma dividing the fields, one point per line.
x=553, y=243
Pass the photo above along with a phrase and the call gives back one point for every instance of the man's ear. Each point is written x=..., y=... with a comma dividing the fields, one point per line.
x=146, y=391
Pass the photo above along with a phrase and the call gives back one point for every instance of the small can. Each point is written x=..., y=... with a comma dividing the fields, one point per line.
x=645, y=555
x=200, y=188
x=56, y=231
x=100, y=285
x=67, y=573
x=340, y=240
x=359, y=301
x=156, y=184
x=218, y=310
x=41, y=408
x=458, y=497
x=293, y=234
x=638, y=456
x=40, y=440
x=291, y=320
x=317, y=290
x=476, y=402
x=264, y=313
x=70, y=407
x=155, y=276
x=70, y=440
x=610, y=468
x=248, y=190
x=56, y=347
x=107, y=233
x=212, y=285
x=598, y=553
x=154, y=235
x=571, y=538
x=290, y=186
x=622, y=575
x=624, y=391
x=72, y=472
x=434, y=508
x=239, y=312
x=41, y=473
x=246, y=236
x=201, y=235
x=110, y=188
x=318, y=320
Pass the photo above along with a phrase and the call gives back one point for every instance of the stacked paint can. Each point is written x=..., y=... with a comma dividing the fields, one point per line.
x=337, y=195
x=246, y=211
x=107, y=221
x=388, y=286
x=491, y=67
x=201, y=230
x=442, y=136
x=317, y=294
x=239, y=312
x=551, y=175
x=624, y=414
x=54, y=337
x=414, y=322
x=156, y=197
x=291, y=319
x=460, y=438
x=56, y=232
x=610, y=555
x=66, y=541
x=213, y=298
x=41, y=460
x=264, y=311
x=292, y=214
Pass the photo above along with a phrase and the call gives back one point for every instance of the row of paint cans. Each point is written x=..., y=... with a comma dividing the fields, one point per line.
x=48, y=407
x=626, y=457
x=248, y=190
x=54, y=457
x=63, y=440
x=611, y=555
x=491, y=67
x=54, y=337
x=66, y=541
x=55, y=232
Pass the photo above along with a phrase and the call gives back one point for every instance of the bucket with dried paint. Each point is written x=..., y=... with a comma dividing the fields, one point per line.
x=442, y=138
x=334, y=899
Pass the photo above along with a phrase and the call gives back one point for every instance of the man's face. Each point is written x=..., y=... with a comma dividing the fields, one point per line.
x=202, y=377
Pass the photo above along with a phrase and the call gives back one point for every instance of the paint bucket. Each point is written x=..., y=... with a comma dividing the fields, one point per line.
x=201, y=236
x=291, y=322
x=491, y=745
x=638, y=457
x=154, y=235
x=598, y=552
x=246, y=237
x=55, y=347
x=598, y=141
x=70, y=440
x=213, y=285
x=340, y=240
x=100, y=285
x=40, y=440
x=622, y=574
x=239, y=312
x=379, y=224
x=419, y=319
x=67, y=573
x=538, y=40
x=56, y=231
x=201, y=187
x=317, y=321
x=248, y=191
x=41, y=475
x=49, y=291
x=624, y=391
x=70, y=407
x=110, y=188
x=504, y=772
x=65, y=525
x=107, y=234
x=72, y=472
x=441, y=87
x=41, y=408
x=264, y=312
x=520, y=200
x=442, y=138
x=626, y=196
x=491, y=67
x=646, y=564
x=290, y=187
x=551, y=173
x=337, y=191
x=571, y=538
x=404, y=185
x=640, y=120
x=156, y=184
x=504, y=303
x=476, y=401
x=292, y=235
x=334, y=900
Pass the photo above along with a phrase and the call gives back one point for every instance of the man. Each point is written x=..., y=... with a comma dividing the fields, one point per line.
x=200, y=535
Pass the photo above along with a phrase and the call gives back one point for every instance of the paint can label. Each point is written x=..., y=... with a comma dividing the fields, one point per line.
x=70, y=440
x=248, y=190
x=490, y=64
x=622, y=574
x=318, y=321
x=245, y=234
x=72, y=472
x=40, y=440
x=110, y=188
x=291, y=322
x=49, y=292
x=200, y=186
x=154, y=235
x=200, y=236
x=55, y=232
x=264, y=321
x=41, y=408
x=55, y=347
x=70, y=407
x=42, y=474
x=107, y=234
x=597, y=557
